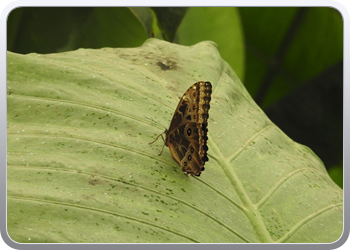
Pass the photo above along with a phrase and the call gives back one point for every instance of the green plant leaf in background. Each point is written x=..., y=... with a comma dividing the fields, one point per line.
x=48, y=30
x=221, y=25
x=116, y=27
x=288, y=47
x=145, y=18
x=168, y=20
x=80, y=168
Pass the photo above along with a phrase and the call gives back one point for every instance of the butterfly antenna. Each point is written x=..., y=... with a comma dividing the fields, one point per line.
x=155, y=122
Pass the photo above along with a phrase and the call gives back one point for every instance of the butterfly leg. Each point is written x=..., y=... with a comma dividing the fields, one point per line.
x=157, y=139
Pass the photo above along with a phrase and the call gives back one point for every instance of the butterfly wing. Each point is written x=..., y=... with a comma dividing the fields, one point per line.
x=188, y=148
x=187, y=134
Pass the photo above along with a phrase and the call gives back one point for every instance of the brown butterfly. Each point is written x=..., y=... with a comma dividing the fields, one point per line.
x=187, y=134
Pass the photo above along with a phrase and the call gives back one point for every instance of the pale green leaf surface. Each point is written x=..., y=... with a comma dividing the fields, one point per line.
x=80, y=168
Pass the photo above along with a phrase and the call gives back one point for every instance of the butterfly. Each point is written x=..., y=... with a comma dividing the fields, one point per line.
x=187, y=135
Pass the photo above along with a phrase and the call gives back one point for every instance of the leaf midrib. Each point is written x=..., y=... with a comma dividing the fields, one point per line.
x=250, y=209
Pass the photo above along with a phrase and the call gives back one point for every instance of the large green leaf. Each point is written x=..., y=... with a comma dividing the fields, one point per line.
x=80, y=168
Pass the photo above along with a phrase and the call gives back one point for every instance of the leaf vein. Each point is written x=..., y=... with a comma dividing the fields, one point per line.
x=158, y=193
x=105, y=212
x=301, y=223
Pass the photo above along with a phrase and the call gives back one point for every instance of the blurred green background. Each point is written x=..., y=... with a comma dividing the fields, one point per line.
x=290, y=59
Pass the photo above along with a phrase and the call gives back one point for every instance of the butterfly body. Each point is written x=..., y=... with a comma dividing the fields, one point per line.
x=187, y=134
